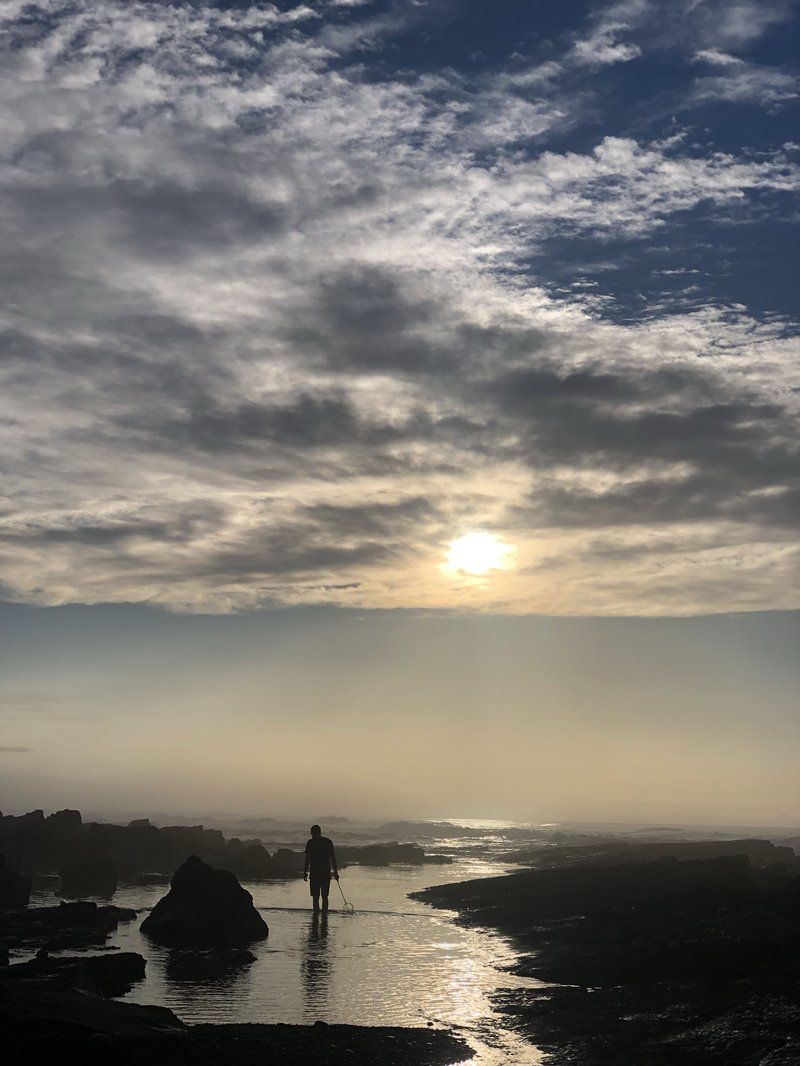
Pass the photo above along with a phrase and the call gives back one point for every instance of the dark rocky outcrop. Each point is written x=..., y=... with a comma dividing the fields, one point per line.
x=288, y=863
x=668, y=962
x=87, y=852
x=79, y=879
x=43, y=1028
x=40, y=1027
x=67, y=926
x=205, y=908
x=613, y=853
x=248, y=859
x=66, y=821
x=34, y=844
x=15, y=890
x=112, y=974
x=386, y=854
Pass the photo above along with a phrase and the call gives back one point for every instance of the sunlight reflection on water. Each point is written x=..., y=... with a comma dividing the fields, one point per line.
x=395, y=962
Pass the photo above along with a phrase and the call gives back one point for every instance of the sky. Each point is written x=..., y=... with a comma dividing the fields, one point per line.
x=392, y=318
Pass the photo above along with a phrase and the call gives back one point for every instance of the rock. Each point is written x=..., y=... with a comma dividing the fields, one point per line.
x=205, y=908
x=42, y=1027
x=249, y=860
x=107, y=975
x=15, y=890
x=788, y=1055
x=66, y=821
x=47, y=1028
x=286, y=863
x=69, y=925
x=760, y=853
x=89, y=879
x=694, y=961
x=383, y=854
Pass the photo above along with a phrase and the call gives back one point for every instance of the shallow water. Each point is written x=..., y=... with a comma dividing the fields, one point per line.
x=394, y=962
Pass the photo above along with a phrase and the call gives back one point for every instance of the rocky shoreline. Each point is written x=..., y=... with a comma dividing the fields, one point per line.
x=75, y=859
x=39, y=1026
x=670, y=962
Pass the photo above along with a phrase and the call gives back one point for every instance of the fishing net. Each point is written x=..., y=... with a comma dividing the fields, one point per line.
x=347, y=908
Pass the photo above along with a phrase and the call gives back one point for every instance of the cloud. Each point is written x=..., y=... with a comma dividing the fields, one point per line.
x=717, y=59
x=272, y=333
x=13, y=749
x=743, y=83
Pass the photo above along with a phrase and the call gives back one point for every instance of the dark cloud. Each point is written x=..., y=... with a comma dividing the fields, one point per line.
x=304, y=422
x=321, y=537
x=735, y=459
x=370, y=320
x=699, y=498
x=183, y=525
x=714, y=433
x=156, y=219
x=373, y=519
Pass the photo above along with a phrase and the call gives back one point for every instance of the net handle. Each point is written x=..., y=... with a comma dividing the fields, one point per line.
x=348, y=905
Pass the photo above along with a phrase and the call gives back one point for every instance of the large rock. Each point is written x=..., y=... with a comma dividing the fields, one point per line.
x=247, y=859
x=67, y=821
x=205, y=908
x=88, y=879
x=286, y=863
x=15, y=890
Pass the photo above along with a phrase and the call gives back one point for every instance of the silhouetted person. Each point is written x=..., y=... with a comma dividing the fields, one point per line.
x=320, y=861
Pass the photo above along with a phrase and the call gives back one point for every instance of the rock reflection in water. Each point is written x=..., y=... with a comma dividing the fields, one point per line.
x=222, y=968
x=317, y=968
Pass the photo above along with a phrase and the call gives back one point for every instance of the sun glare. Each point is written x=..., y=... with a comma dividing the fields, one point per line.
x=479, y=553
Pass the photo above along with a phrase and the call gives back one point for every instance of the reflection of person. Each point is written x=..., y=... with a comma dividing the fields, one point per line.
x=320, y=860
x=317, y=968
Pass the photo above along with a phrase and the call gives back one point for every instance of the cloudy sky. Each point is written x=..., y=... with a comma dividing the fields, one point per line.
x=295, y=296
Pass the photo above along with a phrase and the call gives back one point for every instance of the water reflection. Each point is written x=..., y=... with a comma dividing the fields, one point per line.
x=396, y=962
x=317, y=969
x=219, y=970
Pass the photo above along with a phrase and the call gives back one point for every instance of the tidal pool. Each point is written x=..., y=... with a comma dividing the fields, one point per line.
x=394, y=962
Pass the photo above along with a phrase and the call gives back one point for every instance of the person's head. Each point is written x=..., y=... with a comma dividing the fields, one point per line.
x=315, y=831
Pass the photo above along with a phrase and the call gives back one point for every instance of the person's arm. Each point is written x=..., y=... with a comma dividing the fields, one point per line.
x=305, y=863
x=334, y=863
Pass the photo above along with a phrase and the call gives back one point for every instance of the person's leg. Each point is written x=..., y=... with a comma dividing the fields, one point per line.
x=325, y=886
x=315, y=886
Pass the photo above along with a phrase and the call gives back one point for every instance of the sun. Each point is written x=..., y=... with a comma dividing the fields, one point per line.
x=479, y=553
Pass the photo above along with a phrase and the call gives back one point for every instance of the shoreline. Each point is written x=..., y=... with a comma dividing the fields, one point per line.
x=670, y=963
x=38, y=1023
